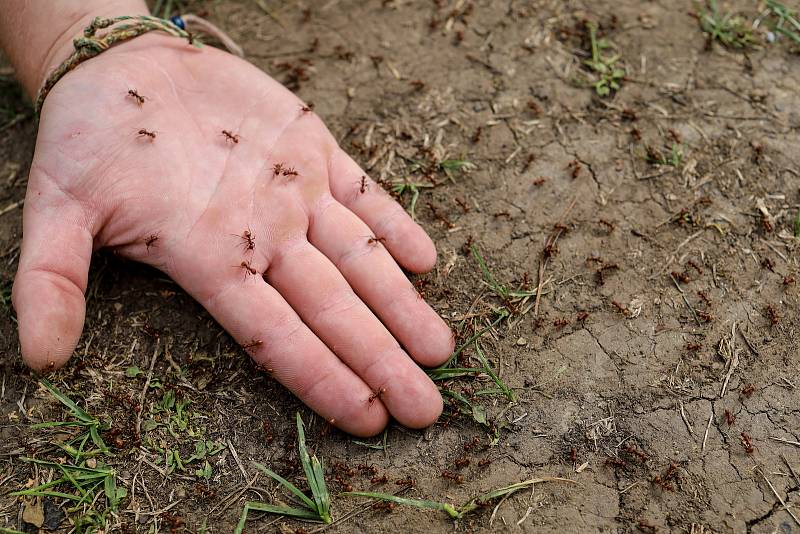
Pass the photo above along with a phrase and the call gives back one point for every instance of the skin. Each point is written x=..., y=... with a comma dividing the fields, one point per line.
x=336, y=318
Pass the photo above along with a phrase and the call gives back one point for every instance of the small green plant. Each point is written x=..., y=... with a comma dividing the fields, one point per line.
x=76, y=447
x=317, y=509
x=730, y=30
x=458, y=512
x=797, y=225
x=607, y=74
x=786, y=22
x=90, y=484
x=672, y=156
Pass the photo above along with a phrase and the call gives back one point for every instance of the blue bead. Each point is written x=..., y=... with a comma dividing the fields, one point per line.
x=178, y=21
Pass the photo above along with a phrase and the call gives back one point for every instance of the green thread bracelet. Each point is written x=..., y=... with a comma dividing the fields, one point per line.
x=90, y=45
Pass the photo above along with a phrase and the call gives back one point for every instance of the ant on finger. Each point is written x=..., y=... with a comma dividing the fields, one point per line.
x=375, y=396
x=143, y=132
x=372, y=240
x=136, y=96
x=229, y=136
x=364, y=185
x=277, y=169
x=248, y=269
x=150, y=241
x=307, y=108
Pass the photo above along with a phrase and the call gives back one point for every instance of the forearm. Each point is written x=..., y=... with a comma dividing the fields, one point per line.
x=36, y=35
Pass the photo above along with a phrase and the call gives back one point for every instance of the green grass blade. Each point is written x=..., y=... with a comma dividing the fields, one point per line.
x=324, y=495
x=417, y=503
x=506, y=391
x=472, y=504
x=78, y=412
x=283, y=510
x=305, y=460
x=467, y=343
x=452, y=372
x=499, y=289
x=4, y=530
x=288, y=485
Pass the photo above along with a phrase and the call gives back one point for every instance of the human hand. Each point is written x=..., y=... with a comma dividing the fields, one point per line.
x=182, y=201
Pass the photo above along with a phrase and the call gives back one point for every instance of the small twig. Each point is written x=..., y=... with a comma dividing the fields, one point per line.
x=787, y=441
x=685, y=301
x=733, y=363
x=144, y=390
x=685, y=419
x=777, y=495
x=236, y=459
x=12, y=206
x=708, y=426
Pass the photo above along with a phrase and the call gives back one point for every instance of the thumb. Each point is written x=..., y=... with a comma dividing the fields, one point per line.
x=48, y=292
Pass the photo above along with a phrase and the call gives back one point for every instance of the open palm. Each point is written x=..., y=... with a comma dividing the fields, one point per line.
x=269, y=227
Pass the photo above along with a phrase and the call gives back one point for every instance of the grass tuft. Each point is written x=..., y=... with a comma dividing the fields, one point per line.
x=730, y=30
x=317, y=509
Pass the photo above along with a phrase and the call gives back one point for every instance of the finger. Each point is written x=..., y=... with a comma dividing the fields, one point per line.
x=52, y=276
x=405, y=239
x=262, y=322
x=313, y=287
x=376, y=278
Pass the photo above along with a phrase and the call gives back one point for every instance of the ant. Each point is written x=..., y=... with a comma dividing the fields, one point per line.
x=376, y=395
x=582, y=316
x=471, y=444
x=747, y=443
x=774, y=318
x=230, y=136
x=607, y=224
x=452, y=476
x=748, y=390
x=248, y=268
x=379, y=480
x=462, y=463
x=408, y=481
x=539, y=181
x=307, y=108
x=372, y=240
x=729, y=418
x=136, y=96
x=248, y=239
x=277, y=169
x=363, y=185
x=151, y=241
x=268, y=431
x=148, y=133
x=253, y=343
x=289, y=172
x=575, y=168
x=631, y=449
x=485, y=463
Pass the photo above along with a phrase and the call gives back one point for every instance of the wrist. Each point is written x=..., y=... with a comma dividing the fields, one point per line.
x=37, y=35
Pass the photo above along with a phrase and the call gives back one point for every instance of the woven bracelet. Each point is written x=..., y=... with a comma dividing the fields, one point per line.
x=90, y=44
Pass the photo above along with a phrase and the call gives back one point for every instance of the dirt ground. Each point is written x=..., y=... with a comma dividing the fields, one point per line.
x=659, y=371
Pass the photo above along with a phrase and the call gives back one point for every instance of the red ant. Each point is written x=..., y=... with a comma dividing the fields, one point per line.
x=747, y=443
x=375, y=395
x=289, y=172
x=485, y=462
x=268, y=431
x=277, y=169
x=379, y=480
x=748, y=390
x=248, y=268
x=729, y=418
x=230, y=136
x=150, y=241
x=364, y=185
x=136, y=96
x=462, y=463
x=575, y=168
x=452, y=476
x=307, y=108
x=774, y=318
x=253, y=343
x=148, y=133
x=408, y=481
x=372, y=240
x=248, y=239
